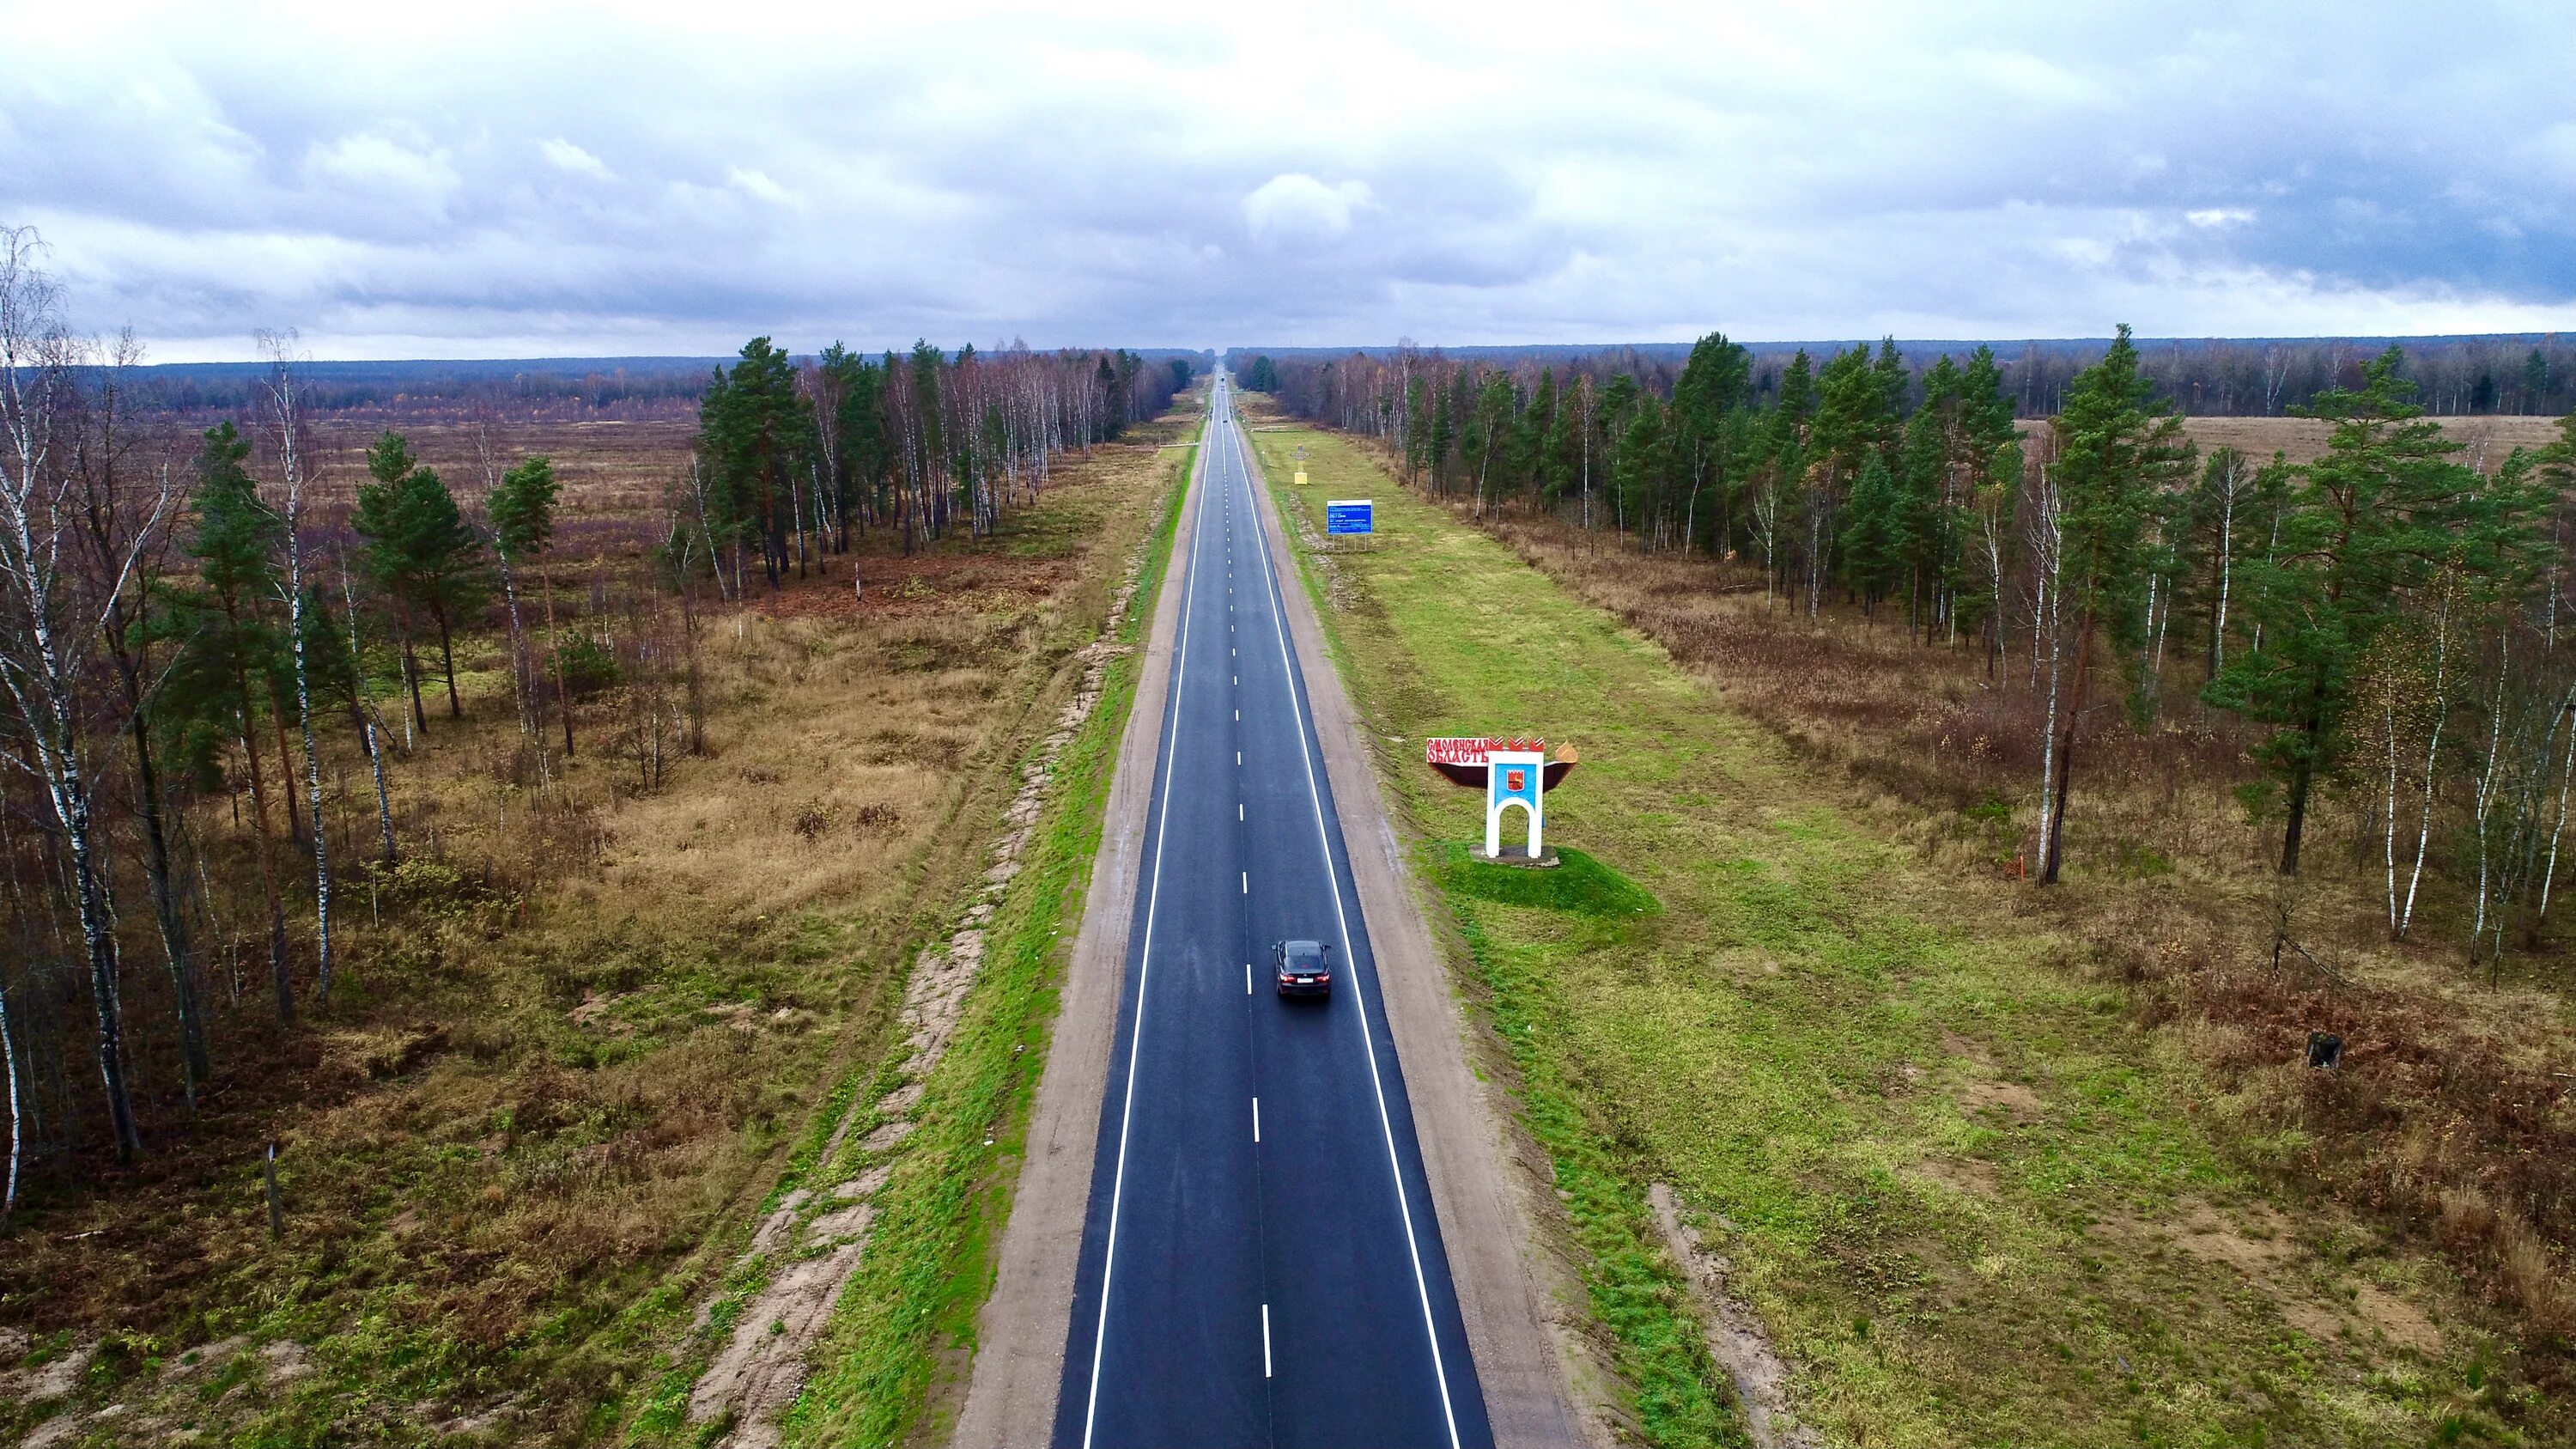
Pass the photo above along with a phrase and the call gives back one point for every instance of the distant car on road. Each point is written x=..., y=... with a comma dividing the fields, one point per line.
x=1305, y=968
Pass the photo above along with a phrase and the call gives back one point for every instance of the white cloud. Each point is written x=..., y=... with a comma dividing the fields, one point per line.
x=1295, y=207
x=397, y=171
x=757, y=184
x=564, y=156
x=2218, y=216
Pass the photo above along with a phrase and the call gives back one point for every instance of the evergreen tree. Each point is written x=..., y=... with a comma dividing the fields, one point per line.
x=229, y=642
x=756, y=437
x=1779, y=485
x=522, y=509
x=1707, y=399
x=1644, y=460
x=2365, y=530
x=2118, y=450
x=422, y=554
x=1872, y=535
x=1489, y=428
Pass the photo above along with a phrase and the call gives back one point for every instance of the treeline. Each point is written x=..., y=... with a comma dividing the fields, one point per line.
x=221, y=671
x=2387, y=618
x=2455, y=376
x=794, y=461
x=421, y=392
x=427, y=392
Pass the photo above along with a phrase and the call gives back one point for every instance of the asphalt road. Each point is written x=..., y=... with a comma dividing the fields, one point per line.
x=1260, y=1261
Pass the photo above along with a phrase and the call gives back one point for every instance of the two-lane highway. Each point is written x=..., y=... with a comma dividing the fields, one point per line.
x=1260, y=1261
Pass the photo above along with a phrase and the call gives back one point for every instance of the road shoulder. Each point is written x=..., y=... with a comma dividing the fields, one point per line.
x=1020, y=1333
x=1506, y=1283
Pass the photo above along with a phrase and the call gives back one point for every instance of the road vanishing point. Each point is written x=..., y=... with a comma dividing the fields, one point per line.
x=1260, y=1260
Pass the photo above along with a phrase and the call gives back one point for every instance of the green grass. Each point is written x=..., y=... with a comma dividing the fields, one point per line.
x=1579, y=884
x=1934, y=1156
x=928, y=1266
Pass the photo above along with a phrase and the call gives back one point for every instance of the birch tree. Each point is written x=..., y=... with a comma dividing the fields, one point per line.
x=286, y=421
x=51, y=628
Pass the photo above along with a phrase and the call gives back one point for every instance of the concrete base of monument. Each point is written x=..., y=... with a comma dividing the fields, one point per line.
x=1514, y=855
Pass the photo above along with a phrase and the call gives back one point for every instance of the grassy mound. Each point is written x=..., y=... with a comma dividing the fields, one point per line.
x=1580, y=884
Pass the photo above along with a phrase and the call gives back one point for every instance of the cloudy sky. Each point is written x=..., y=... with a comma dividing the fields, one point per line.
x=461, y=180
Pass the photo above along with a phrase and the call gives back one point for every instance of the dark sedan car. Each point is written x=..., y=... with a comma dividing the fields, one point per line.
x=1305, y=968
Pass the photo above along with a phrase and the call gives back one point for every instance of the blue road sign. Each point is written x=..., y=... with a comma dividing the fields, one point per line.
x=1350, y=515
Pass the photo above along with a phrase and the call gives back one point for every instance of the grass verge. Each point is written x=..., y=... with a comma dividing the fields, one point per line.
x=1972, y=1202
x=928, y=1266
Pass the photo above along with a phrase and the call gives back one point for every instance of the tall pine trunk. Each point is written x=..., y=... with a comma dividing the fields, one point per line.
x=175, y=945
x=2302, y=781
x=447, y=660
x=362, y=715
x=563, y=697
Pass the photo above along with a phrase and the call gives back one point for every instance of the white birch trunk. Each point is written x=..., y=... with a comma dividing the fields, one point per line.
x=290, y=448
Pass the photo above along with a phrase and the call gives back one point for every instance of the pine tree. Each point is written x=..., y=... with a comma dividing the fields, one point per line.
x=756, y=437
x=523, y=523
x=1872, y=535
x=1706, y=399
x=421, y=552
x=2118, y=449
x=230, y=642
x=2365, y=529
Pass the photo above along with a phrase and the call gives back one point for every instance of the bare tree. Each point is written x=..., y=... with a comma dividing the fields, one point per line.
x=52, y=625
x=111, y=531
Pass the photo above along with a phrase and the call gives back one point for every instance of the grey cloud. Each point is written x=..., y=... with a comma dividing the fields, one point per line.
x=414, y=186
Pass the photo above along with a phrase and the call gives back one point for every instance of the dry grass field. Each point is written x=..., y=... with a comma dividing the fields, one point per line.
x=2488, y=439
x=615, y=475
x=584, y=1022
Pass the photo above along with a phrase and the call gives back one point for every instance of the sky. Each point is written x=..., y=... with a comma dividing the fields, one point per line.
x=463, y=180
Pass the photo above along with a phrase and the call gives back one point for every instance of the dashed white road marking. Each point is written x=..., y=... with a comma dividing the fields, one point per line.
x=1368, y=1051
x=1256, y=1111
x=1247, y=882
x=1247, y=978
x=1265, y=1340
x=1144, y=968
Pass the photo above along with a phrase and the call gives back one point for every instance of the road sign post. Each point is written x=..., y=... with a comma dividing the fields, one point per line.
x=1349, y=515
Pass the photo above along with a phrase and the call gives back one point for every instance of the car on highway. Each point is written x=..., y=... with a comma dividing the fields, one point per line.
x=1305, y=968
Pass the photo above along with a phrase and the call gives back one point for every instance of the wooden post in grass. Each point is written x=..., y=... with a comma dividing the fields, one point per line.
x=276, y=1210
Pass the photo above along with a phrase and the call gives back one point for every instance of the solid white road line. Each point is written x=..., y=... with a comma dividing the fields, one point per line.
x=1386, y=1124
x=1144, y=970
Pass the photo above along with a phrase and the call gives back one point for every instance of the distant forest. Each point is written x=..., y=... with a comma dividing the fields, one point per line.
x=432, y=390
x=2530, y=373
